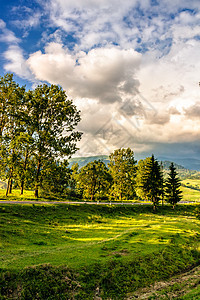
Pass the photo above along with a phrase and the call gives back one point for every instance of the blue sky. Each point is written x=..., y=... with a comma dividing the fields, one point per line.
x=131, y=67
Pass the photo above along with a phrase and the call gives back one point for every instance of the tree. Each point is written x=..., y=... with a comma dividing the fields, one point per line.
x=53, y=121
x=173, y=193
x=55, y=178
x=94, y=179
x=150, y=180
x=123, y=171
x=11, y=96
x=11, y=126
x=75, y=190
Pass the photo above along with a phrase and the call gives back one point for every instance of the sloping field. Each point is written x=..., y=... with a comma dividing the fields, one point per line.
x=106, y=250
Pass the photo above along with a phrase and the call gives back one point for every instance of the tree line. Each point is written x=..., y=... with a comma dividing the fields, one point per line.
x=37, y=136
x=124, y=179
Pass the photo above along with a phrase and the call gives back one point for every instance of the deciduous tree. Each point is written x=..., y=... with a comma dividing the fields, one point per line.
x=122, y=168
x=94, y=179
x=54, y=118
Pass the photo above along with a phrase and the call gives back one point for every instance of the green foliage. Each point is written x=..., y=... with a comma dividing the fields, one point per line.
x=54, y=118
x=55, y=178
x=173, y=193
x=36, y=127
x=123, y=170
x=94, y=179
x=11, y=127
x=150, y=180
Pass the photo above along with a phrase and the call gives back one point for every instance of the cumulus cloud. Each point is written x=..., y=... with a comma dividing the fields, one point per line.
x=6, y=35
x=193, y=111
x=16, y=62
x=106, y=74
x=144, y=96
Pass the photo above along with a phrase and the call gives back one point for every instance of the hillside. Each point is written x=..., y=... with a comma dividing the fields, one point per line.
x=94, y=251
x=183, y=172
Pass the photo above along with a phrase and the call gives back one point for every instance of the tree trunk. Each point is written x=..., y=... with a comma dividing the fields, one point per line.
x=37, y=178
x=22, y=181
x=7, y=187
x=154, y=205
x=22, y=187
x=10, y=187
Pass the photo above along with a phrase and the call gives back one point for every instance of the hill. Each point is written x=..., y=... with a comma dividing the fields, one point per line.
x=94, y=251
x=82, y=161
x=183, y=172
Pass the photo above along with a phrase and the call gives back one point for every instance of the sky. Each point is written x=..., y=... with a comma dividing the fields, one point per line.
x=131, y=67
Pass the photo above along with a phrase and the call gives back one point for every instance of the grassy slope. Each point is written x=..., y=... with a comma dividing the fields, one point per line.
x=191, y=190
x=126, y=244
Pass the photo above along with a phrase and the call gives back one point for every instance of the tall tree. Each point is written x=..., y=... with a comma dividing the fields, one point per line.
x=94, y=179
x=150, y=179
x=173, y=193
x=11, y=96
x=11, y=126
x=123, y=171
x=53, y=122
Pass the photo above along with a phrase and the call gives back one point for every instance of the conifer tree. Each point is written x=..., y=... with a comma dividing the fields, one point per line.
x=150, y=180
x=173, y=193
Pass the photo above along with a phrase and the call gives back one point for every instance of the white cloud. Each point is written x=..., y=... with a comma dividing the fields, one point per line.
x=98, y=66
x=6, y=35
x=16, y=62
x=106, y=74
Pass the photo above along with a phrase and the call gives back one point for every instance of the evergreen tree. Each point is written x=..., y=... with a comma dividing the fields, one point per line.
x=150, y=180
x=123, y=171
x=173, y=193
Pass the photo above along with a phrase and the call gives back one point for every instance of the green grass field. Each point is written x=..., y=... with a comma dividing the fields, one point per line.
x=191, y=190
x=126, y=244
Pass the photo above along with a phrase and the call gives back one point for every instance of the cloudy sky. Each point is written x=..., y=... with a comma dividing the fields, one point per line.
x=132, y=67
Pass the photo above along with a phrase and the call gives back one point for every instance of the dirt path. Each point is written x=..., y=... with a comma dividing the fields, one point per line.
x=172, y=289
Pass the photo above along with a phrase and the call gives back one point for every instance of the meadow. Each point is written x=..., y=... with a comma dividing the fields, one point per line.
x=87, y=251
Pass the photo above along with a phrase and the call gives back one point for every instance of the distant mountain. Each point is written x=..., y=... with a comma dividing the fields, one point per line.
x=167, y=163
x=188, y=163
x=182, y=170
x=82, y=161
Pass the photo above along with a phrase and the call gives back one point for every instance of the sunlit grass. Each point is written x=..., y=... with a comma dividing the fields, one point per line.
x=82, y=235
x=190, y=190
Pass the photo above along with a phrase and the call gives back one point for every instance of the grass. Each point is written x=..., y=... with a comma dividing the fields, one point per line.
x=191, y=190
x=130, y=246
x=82, y=235
x=194, y=294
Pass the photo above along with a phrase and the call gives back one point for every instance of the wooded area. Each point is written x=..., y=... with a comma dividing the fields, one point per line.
x=37, y=136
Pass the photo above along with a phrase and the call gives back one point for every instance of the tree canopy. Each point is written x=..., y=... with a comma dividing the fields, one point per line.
x=122, y=167
x=36, y=127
